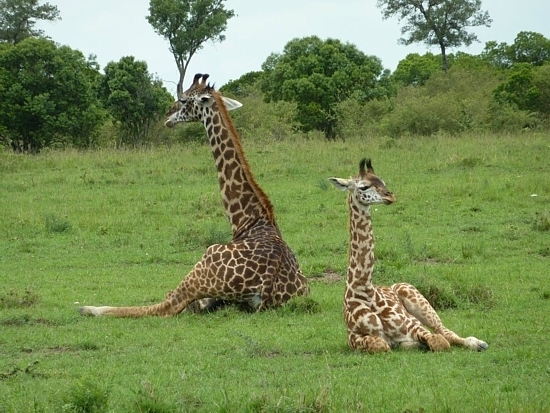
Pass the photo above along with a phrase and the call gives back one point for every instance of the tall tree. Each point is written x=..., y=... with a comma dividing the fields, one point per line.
x=47, y=96
x=440, y=23
x=18, y=17
x=528, y=47
x=317, y=74
x=134, y=98
x=187, y=25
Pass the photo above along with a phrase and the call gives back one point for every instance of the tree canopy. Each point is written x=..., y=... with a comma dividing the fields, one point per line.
x=416, y=69
x=46, y=96
x=440, y=23
x=317, y=74
x=527, y=87
x=133, y=97
x=528, y=47
x=187, y=25
x=18, y=18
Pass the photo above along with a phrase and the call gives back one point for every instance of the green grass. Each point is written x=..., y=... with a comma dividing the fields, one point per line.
x=123, y=228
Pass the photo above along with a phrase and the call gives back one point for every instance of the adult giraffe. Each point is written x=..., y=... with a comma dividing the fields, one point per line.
x=379, y=318
x=257, y=268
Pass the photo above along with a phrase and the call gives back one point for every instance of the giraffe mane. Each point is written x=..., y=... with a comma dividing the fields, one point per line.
x=264, y=200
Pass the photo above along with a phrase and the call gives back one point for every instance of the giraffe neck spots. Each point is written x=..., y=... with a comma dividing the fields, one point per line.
x=361, y=253
x=244, y=201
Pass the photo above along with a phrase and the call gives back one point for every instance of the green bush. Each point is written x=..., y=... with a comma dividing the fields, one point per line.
x=265, y=121
x=451, y=102
x=356, y=119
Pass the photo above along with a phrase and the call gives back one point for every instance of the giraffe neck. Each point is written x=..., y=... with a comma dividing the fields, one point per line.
x=361, y=254
x=244, y=201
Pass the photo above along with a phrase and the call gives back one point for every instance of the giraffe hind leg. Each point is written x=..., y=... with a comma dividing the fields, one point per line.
x=206, y=305
x=419, y=307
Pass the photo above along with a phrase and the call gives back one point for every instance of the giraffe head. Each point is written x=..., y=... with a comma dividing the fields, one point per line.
x=197, y=101
x=366, y=188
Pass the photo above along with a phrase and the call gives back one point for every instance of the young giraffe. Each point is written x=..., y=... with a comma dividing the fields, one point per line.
x=381, y=318
x=257, y=268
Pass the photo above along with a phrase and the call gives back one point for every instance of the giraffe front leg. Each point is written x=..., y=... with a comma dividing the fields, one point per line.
x=370, y=344
x=365, y=330
x=471, y=343
x=419, y=307
x=437, y=342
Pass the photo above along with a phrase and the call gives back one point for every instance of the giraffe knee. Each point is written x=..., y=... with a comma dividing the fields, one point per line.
x=437, y=342
x=370, y=344
x=378, y=346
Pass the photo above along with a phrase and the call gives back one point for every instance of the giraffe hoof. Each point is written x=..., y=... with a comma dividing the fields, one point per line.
x=475, y=344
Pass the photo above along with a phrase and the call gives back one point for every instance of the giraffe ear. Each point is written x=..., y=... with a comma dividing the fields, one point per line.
x=231, y=104
x=341, y=184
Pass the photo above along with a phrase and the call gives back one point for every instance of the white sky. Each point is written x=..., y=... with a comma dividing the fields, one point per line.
x=111, y=29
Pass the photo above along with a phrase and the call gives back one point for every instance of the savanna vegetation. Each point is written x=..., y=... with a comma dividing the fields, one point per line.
x=103, y=205
x=54, y=97
x=470, y=229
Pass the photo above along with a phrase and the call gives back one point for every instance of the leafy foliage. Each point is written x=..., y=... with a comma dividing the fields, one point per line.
x=18, y=18
x=527, y=88
x=528, y=47
x=134, y=98
x=317, y=74
x=47, y=96
x=187, y=25
x=452, y=102
x=416, y=69
x=243, y=86
x=437, y=23
x=265, y=121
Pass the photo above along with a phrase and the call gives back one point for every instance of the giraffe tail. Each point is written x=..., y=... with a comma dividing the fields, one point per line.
x=163, y=309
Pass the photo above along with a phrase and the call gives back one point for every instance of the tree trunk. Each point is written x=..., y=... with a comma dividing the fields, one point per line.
x=179, y=87
x=444, y=65
x=182, y=64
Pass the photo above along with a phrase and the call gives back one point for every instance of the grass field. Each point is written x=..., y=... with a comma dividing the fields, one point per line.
x=471, y=228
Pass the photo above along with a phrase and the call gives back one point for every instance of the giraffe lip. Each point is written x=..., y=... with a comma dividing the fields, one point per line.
x=389, y=200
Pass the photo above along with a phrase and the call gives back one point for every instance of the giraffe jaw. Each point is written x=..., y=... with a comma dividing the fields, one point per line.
x=169, y=123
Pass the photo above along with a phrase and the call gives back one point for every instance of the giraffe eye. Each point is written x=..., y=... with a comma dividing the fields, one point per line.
x=364, y=187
